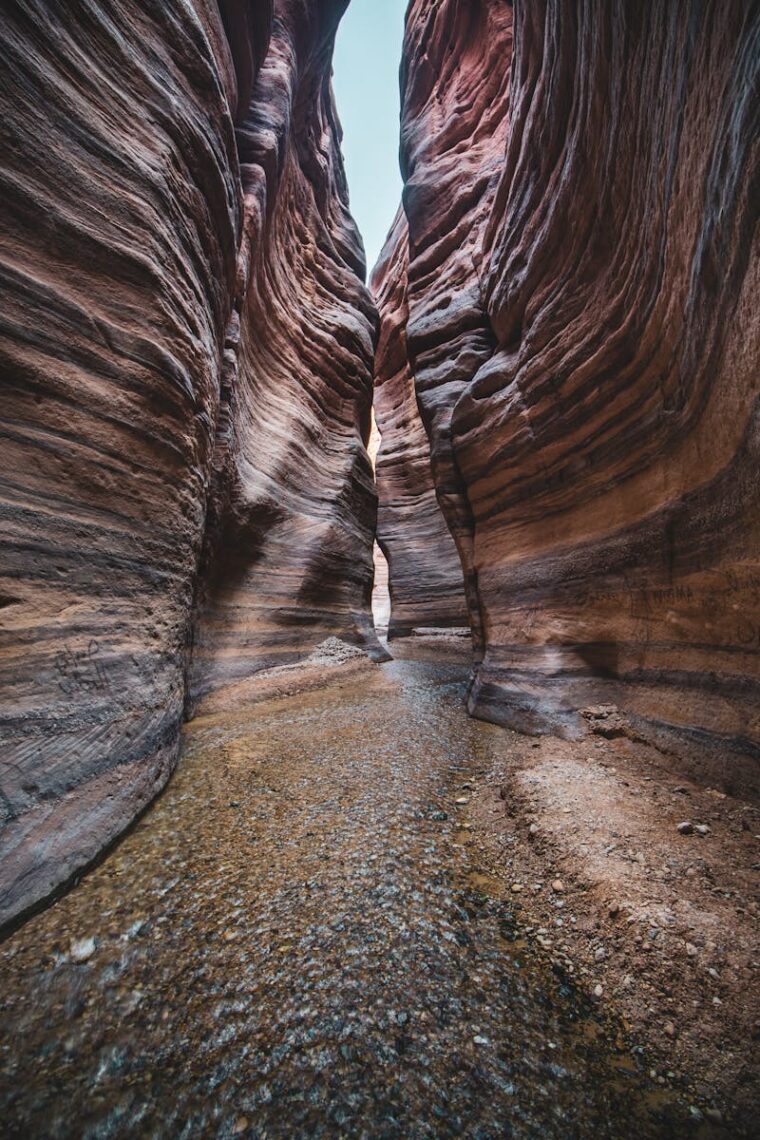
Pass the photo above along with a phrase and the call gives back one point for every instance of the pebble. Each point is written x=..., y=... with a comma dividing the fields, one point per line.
x=516, y=888
x=702, y=829
x=691, y=950
x=598, y=991
x=82, y=949
x=558, y=886
x=669, y=1029
x=685, y=828
x=240, y=1125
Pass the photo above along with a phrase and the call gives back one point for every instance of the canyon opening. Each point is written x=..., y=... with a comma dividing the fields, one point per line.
x=379, y=568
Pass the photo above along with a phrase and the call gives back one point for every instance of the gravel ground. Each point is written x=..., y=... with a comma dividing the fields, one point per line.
x=296, y=942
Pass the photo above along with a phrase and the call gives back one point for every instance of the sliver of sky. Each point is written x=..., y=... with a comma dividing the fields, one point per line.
x=365, y=80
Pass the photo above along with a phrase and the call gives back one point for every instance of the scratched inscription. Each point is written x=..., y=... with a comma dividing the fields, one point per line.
x=80, y=670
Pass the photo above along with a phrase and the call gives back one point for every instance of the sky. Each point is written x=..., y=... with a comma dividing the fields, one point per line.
x=365, y=80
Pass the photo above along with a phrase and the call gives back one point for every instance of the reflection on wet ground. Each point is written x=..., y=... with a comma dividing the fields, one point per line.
x=292, y=944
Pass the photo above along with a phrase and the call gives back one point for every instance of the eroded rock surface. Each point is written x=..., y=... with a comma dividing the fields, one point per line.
x=584, y=338
x=425, y=574
x=183, y=325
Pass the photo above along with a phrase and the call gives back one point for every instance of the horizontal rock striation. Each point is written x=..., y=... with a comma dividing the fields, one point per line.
x=425, y=574
x=185, y=350
x=293, y=504
x=589, y=379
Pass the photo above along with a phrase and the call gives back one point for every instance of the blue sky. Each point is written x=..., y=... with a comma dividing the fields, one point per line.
x=366, y=63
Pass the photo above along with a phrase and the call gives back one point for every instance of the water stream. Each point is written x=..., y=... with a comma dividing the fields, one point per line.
x=294, y=942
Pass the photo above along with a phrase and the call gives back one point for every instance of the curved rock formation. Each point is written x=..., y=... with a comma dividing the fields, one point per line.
x=425, y=574
x=182, y=311
x=584, y=337
x=289, y=545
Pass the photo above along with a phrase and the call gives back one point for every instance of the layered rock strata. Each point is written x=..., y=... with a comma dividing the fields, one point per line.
x=584, y=338
x=424, y=571
x=288, y=558
x=183, y=323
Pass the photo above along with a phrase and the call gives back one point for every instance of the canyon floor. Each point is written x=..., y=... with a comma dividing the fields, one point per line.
x=357, y=912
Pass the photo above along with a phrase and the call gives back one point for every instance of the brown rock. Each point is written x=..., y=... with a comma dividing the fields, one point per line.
x=584, y=339
x=186, y=366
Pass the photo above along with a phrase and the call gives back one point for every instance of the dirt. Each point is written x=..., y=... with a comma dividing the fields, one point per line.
x=659, y=925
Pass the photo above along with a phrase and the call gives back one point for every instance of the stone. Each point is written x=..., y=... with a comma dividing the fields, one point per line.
x=589, y=391
x=82, y=949
x=191, y=498
x=558, y=886
x=702, y=829
x=685, y=828
x=425, y=574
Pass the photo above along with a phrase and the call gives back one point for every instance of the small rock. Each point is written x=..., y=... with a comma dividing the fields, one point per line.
x=714, y=1116
x=598, y=991
x=240, y=1125
x=669, y=1029
x=481, y=1040
x=614, y=910
x=691, y=950
x=600, y=954
x=558, y=886
x=82, y=949
x=702, y=829
x=685, y=828
x=533, y=830
x=516, y=888
x=460, y=800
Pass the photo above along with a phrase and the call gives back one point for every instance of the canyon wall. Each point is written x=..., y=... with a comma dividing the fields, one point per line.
x=424, y=571
x=584, y=338
x=185, y=365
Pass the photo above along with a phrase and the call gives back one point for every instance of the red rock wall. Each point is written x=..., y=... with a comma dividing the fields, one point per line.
x=289, y=547
x=425, y=574
x=182, y=324
x=584, y=336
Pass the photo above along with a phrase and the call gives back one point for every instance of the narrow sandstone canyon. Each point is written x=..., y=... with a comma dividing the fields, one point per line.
x=569, y=311
x=186, y=357
x=434, y=584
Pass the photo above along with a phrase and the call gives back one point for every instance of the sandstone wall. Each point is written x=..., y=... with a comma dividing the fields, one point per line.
x=182, y=323
x=583, y=332
x=425, y=574
x=289, y=543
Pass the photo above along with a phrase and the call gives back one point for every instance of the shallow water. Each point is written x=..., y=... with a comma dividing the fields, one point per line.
x=293, y=943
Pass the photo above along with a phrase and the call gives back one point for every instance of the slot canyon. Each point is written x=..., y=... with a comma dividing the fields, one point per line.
x=380, y=644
